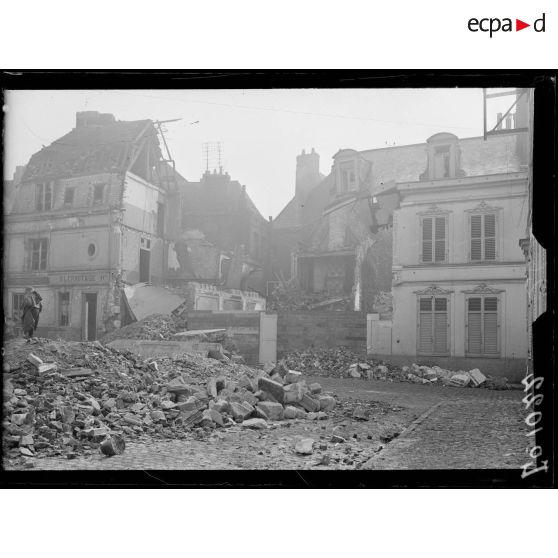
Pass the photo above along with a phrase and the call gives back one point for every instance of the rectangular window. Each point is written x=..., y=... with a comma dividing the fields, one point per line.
x=43, y=197
x=482, y=326
x=433, y=326
x=38, y=249
x=69, y=196
x=348, y=176
x=442, y=162
x=98, y=194
x=64, y=309
x=483, y=237
x=434, y=233
x=17, y=303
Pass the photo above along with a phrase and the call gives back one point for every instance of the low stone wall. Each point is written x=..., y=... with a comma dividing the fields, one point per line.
x=243, y=328
x=301, y=330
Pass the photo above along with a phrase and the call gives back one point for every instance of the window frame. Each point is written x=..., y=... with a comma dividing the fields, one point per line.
x=433, y=297
x=67, y=190
x=483, y=237
x=17, y=308
x=41, y=190
x=42, y=242
x=433, y=216
x=482, y=297
x=98, y=187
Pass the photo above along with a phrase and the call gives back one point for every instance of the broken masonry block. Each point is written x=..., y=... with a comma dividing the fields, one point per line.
x=310, y=404
x=292, y=376
x=272, y=410
x=255, y=423
x=327, y=402
x=290, y=412
x=274, y=388
x=315, y=388
x=239, y=412
x=34, y=360
x=304, y=446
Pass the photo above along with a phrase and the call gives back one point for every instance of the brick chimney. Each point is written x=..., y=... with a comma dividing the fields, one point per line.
x=93, y=118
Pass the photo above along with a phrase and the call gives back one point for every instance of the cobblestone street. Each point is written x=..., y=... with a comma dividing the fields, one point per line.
x=440, y=428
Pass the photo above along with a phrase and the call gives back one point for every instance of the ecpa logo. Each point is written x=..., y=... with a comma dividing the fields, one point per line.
x=494, y=24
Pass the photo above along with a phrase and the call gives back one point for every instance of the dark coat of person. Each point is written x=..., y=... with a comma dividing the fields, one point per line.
x=31, y=309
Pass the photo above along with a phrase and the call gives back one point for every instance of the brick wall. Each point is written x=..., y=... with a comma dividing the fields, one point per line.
x=301, y=330
x=243, y=328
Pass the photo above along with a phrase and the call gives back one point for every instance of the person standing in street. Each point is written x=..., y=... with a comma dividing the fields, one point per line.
x=31, y=310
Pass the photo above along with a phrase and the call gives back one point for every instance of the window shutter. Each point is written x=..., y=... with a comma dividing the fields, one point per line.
x=48, y=196
x=427, y=239
x=490, y=325
x=39, y=197
x=425, y=326
x=490, y=236
x=476, y=237
x=440, y=239
x=474, y=326
x=440, y=325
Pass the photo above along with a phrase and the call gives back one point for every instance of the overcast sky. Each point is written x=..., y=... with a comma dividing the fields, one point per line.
x=261, y=131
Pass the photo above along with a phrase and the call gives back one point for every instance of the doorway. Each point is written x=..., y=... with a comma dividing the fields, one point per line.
x=89, y=317
x=144, y=266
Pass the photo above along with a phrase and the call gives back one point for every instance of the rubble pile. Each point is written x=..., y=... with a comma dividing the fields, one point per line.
x=156, y=327
x=342, y=362
x=87, y=393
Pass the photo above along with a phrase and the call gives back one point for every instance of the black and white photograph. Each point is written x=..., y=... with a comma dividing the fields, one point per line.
x=310, y=279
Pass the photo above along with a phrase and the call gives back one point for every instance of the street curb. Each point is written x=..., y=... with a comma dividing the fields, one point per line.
x=369, y=464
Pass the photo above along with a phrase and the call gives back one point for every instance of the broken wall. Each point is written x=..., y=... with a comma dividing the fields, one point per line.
x=243, y=328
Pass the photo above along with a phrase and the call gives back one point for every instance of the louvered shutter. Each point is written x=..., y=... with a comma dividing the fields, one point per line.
x=440, y=239
x=39, y=197
x=490, y=326
x=425, y=325
x=474, y=326
x=476, y=237
x=427, y=239
x=440, y=325
x=489, y=236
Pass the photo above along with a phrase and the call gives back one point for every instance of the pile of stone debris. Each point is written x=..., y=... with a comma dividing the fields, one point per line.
x=155, y=327
x=342, y=362
x=65, y=398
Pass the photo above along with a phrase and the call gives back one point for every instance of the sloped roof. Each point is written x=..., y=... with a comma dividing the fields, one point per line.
x=89, y=149
x=405, y=163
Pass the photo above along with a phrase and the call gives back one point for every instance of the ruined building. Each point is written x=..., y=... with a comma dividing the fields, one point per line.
x=88, y=216
x=222, y=237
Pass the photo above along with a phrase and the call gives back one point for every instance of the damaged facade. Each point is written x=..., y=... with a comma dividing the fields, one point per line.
x=333, y=239
x=223, y=238
x=100, y=209
x=87, y=217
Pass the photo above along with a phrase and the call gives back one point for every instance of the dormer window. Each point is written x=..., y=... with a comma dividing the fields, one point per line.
x=350, y=172
x=444, y=159
x=348, y=176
